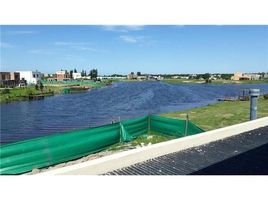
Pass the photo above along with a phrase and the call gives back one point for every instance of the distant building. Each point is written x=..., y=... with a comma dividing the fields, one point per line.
x=160, y=78
x=48, y=75
x=15, y=76
x=132, y=75
x=62, y=76
x=4, y=76
x=213, y=77
x=111, y=77
x=179, y=77
x=9, y=79
x=238, y=76
x=77, y=75
x=254, y=76
x=141, y=77
x=32, y=77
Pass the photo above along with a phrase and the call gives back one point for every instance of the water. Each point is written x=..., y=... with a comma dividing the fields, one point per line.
x=31, y=119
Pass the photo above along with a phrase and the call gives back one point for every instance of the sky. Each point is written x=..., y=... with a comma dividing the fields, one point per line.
x=162, y=49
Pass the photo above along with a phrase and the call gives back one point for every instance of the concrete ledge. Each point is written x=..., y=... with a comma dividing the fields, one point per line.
x=124, y=159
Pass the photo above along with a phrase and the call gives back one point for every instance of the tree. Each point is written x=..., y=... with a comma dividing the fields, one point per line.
x=93, y=73
x=82, y=73
x=198, y=76
x=75, y=71
x=41, y=86
x=226, y=76
x=138, y=73
x=71, y=74
x=206, y=76
x=36, y=86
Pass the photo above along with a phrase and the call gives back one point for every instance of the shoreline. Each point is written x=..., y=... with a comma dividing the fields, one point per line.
x=209, y=117
x=10, y=95
x=63, y=88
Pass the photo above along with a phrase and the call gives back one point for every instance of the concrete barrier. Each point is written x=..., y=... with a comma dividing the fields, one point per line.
x=124, y=159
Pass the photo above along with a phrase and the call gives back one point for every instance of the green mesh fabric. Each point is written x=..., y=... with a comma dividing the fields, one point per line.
x=134, y=128
x=21, y=157
x=24, y=156
x=174, y=127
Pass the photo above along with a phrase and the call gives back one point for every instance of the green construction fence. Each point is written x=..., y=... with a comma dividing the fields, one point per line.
x=24, y=156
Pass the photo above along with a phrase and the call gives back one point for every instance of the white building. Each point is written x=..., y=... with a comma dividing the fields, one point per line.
x=77, y=75
x=111, y=77
x=32, y=77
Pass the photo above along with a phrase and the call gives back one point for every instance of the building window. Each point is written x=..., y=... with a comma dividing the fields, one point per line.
x=34, y=75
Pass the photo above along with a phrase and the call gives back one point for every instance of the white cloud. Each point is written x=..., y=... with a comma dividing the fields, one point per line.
x=82, y=46
x=139, y=40
x=71, y=43
x=123, y=29
x=42, y=51
x=6, y=45
x=128, y=39
x=21, y=32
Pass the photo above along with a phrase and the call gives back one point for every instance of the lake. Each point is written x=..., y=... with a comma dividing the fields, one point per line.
x=124, y=100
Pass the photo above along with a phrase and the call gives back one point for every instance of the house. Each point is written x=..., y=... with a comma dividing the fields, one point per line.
x=62, y=76
x=159, y=78
x=238, y=76
x=254, y=76
x=77, y=75
x=4, y=76
x=32, y=77
x=111, y=77
x=132, y=75
x=9, y=79
x=141, y=77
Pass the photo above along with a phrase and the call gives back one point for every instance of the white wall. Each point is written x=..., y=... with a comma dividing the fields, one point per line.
x=30, y=76
x=77, y=75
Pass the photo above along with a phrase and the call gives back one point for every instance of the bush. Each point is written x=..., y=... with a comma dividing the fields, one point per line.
x=265, y=96
x=5, y=91
x=29, y=91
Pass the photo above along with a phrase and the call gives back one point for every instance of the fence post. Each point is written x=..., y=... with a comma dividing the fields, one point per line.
x=149, y=123
x=186, y=124
x=120, y=129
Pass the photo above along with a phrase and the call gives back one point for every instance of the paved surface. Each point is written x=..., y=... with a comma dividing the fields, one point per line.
x=244, y=154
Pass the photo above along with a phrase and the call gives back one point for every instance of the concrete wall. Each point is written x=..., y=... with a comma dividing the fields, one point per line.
x=124, y=159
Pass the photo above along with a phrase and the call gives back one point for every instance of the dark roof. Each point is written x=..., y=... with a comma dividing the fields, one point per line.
x=243, y=154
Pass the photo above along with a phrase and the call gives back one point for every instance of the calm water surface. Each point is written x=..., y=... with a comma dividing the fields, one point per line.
x=31, y=119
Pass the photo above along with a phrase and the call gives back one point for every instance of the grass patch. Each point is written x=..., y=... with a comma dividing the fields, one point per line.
x=221, y=114
x=21, y=94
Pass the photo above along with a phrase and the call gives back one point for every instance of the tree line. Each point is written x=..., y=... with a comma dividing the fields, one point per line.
x=92, y=73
